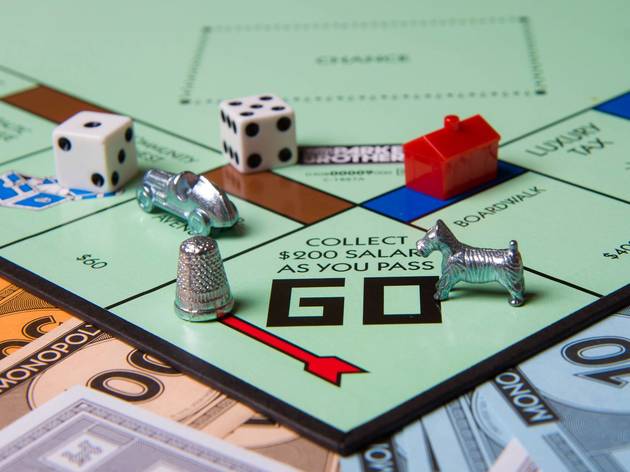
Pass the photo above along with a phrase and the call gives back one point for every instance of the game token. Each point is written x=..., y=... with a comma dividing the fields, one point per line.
x=451, y=160
x=461, y=262
x=191, y=197
x=202, y=292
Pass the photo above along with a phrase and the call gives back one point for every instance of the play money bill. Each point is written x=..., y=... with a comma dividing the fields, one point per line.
x=405, y=451
x=257, y=433
x=82, y=429
x=568, y=407
x=78, y=353
x=24, y=317
x=456, y=440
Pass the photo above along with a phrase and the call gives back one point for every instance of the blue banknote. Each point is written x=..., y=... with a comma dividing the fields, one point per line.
x=568, y=406
x=457, y=442
x=404, y=452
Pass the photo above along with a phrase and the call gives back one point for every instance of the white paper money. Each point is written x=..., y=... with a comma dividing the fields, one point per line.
x=82, y=430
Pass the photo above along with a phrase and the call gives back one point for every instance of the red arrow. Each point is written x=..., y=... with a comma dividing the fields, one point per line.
x=329, y=368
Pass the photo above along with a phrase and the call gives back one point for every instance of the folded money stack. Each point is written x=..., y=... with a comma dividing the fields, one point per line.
x=40, y=358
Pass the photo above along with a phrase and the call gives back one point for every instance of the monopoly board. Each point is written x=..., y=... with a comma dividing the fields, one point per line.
x=335, y=332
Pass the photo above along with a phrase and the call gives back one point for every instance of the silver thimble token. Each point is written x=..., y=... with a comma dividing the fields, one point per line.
x=202, y=291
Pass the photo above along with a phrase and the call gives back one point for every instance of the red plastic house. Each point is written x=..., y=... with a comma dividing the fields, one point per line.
x=451, y=160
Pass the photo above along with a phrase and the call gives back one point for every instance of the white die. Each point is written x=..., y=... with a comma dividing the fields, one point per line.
x=258, y=132
x=95, y=151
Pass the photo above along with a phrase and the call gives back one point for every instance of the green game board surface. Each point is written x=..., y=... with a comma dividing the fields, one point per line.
x=335, y=331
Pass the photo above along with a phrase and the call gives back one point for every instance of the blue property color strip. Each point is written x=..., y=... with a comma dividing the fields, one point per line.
x=407, y=205
x=619, y=106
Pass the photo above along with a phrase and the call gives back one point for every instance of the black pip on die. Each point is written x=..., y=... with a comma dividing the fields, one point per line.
x=258, y=132
x=95, y=151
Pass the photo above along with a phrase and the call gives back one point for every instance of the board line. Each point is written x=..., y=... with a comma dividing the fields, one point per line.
x=140, y=294
x=19, y=75
x=36, y=82
x=52, y=228
x=563, y=282
x=597, y=192
x=225, y=259
x=305, y=225
x=101, y=210
x=176, y=135
x=534, y=271
x=565, y=118
x=27, y=155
